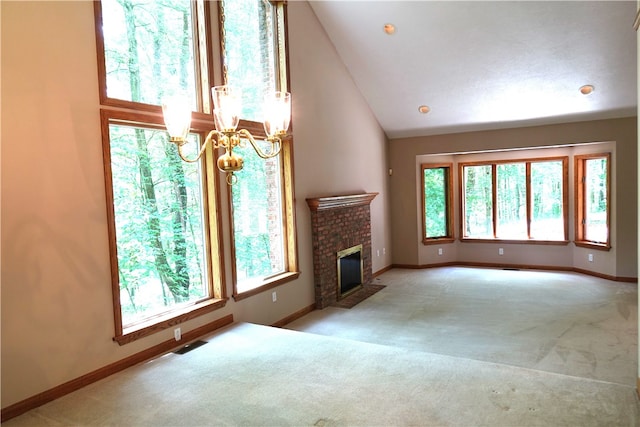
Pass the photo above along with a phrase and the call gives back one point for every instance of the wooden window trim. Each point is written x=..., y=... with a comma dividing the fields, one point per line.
x=150, y=116
x=288, y=210
x=580, y=205
x=507, y=241
x=202, y=60
x=163, y=322
x=217, y=299
x=286, y=158
x=449, y=237
x=270, y=283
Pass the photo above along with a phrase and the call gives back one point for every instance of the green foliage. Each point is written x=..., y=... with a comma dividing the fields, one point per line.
x=478, y=204
x=257, y=217
x=435, y=198
x=159, y=228
x=250, y=61
x=249, y=54
x=148, y=49
x=596, y=199
x=158, y=203
x=546, y=200
x=596, y=175
x=511, y=200
x=157, y=200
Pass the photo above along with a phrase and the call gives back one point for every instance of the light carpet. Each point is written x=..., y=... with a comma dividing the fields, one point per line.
x=261, y=376
x=559, y=322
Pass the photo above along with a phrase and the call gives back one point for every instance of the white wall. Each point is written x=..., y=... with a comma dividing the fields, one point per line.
x=339, y=148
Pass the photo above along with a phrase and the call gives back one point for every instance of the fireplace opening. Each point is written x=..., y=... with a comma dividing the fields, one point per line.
x=349, y=270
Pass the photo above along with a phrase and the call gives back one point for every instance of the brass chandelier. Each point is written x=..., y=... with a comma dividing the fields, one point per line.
x=227, y=101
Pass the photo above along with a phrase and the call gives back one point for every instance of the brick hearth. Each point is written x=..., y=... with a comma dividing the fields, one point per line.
x=337, y=223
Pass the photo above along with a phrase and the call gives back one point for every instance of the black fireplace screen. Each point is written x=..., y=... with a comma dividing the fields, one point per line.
x=349, y=269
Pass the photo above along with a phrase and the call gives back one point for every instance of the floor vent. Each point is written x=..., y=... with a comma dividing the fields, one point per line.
x=192, y=346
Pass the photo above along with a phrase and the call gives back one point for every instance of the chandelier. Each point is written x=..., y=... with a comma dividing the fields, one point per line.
x=227, y=102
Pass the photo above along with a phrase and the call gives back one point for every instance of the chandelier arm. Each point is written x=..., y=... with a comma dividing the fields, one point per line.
x=275, y=145
x=182, y=142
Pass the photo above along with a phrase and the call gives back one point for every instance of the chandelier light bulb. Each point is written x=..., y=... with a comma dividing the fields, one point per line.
x=177, y=117
x=277, y=113
x=227, y=103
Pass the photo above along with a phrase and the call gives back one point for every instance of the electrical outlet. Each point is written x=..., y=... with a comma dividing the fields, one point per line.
x=378, y=252
x=384, y=251
x=500, y=251
x=274, y=296
x=590, y=257
x=177, y=334
x=439, y=251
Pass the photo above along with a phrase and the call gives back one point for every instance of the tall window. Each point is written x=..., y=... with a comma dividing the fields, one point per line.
x=160, y=227
x=592, y=200
x=437, y=203
x=262, y=200
x=165, y=237
x=151, y=50
x=547, y=200
x=478, y=201
x=515, y=200
x=511, y=201
x=163, y=224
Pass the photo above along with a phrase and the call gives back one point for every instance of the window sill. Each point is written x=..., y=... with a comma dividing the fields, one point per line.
x=519, y=242
x=438, y=240
x=160, y=323
x=270, y=283
x=593, y=245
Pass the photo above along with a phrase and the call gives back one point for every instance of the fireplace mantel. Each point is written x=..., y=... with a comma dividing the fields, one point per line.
x=335, y=202
x=338, y=223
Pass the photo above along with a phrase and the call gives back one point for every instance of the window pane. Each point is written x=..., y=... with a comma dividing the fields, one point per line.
x=148, y=49
x=252, y=48
x=596, y=200
x=547, y=216
x=249, y=52
x=511, y=195
x=435, y=202
x=158, y=205
x=478, y=205
x=257, y=219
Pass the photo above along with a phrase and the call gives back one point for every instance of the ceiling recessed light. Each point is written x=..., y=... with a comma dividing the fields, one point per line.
x=424, y=109
x=586, y=89
x=389, y=28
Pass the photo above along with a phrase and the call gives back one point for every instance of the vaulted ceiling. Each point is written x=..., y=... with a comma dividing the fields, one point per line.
x=486, y=65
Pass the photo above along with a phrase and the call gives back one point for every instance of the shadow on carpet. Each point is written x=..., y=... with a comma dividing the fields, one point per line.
x=358, y=296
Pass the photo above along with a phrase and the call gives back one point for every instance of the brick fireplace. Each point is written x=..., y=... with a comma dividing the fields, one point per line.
x=338, y=223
